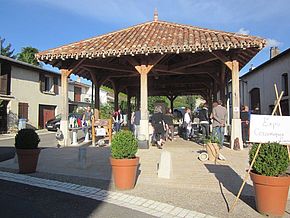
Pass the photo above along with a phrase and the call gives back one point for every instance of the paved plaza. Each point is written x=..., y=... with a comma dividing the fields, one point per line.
x=205, y=188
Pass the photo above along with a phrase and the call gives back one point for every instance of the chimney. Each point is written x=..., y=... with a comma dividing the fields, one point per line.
x=274, y=51
x=78, y=79
x=155, y=15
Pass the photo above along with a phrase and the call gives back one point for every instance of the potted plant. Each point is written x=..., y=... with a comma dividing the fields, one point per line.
x=26, y=144
x=124, y=163
x=212, y=147
x=271, y=183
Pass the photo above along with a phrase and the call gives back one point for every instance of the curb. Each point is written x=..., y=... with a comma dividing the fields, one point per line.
x=12, y=136
x=153, y=208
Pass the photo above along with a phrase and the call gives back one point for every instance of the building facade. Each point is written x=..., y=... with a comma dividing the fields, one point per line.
x=80, y=95
x=257, y=86
x=27, y=92
x=33, y=93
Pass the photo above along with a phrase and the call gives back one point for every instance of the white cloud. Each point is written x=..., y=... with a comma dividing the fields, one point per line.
x=273, y=43
x=243, y=31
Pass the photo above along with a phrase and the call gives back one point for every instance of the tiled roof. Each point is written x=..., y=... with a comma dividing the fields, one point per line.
x=152, y=37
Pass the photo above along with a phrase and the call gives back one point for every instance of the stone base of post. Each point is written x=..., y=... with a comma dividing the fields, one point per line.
x=66, y=136
x=144, y=128
x=75, y=137
x=236, y=132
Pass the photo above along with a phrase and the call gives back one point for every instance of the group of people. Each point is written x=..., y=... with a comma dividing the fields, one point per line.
x=162, y=125
x=217, y=118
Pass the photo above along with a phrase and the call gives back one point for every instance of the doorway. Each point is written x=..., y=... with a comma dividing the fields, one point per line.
x=3, y=116
x=46, y=112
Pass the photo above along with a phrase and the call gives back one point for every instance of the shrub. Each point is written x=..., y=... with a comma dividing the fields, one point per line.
x=26, y=139
x=272, y=159
x=212, y=139
x=124, y=145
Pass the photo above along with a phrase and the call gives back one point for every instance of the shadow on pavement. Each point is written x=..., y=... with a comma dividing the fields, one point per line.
x=6, y=153
x=229, y=179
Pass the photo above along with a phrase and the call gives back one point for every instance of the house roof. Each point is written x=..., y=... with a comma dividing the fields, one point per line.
x=26, y=65
x=152, y=37
x=277, y=57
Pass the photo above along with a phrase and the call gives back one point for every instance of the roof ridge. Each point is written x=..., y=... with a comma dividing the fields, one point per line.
x=208, y=30
x=99, y=36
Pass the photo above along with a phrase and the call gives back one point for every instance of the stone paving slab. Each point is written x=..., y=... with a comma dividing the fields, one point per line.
x=150, y=207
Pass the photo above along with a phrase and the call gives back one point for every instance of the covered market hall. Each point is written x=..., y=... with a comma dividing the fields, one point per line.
x=157, y=58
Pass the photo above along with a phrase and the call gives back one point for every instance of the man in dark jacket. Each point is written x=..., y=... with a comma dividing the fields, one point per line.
x=204, y=120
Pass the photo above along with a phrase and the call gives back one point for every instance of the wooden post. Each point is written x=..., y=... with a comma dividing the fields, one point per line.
x=236, y=130
x=116, y=98
x=97, y=101
x=64, y=107
x=143, y=70
x=171, y=98
x=276, y=92
x=222, y=83
x=129, y=107
x=214, y=93
x=110, y=131
x=93, y=131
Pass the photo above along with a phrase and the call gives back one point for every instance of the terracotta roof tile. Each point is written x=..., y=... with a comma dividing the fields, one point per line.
x=152, y=37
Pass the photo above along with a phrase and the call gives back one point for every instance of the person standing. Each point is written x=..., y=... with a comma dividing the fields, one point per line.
x=187, y=124
x=135, y=120
x=118, y=120
x=158, y=125
x=219, y=117
x=245, y=120
x=204, y=120
x=87, y=120
x=169, y=124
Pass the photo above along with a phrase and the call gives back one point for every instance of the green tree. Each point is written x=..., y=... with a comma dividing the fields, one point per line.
x=106, y=111
x=27, y=55
x=185, y=101
x=153, y=99
x=6, y=50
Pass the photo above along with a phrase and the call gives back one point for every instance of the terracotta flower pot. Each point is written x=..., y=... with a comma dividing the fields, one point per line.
x=124, y=172
x=271, y=193
x=212, y=150
x=27, y=160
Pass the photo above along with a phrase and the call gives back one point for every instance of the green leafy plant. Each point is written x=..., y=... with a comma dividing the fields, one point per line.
x=212, y=139
x=26, y=139
x=272, y=159
x=124, y=145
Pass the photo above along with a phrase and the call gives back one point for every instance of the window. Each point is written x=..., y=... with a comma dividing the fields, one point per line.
x=285, y=83
x=255, y=101
x=23, y=110
x=48, y=84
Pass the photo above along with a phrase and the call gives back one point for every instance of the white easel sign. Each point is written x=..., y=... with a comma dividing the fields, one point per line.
x=267, y=128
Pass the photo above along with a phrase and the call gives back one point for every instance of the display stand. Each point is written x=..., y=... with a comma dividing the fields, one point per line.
x=101, y=127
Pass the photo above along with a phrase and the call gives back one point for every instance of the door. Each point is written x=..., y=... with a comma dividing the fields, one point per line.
x=3, y=116
x=46, y=112
x=77, y=94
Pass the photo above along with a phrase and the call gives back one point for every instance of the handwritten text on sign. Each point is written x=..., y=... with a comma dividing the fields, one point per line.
x=266, y=128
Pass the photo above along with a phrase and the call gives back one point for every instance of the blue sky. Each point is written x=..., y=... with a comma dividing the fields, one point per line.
x=47, y=24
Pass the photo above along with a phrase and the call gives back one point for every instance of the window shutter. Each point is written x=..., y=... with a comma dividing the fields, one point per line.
x=42, y=82
x=55, y=85
x=23, y=110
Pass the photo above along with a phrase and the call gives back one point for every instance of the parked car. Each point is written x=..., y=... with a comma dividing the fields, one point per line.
x=53, y=124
